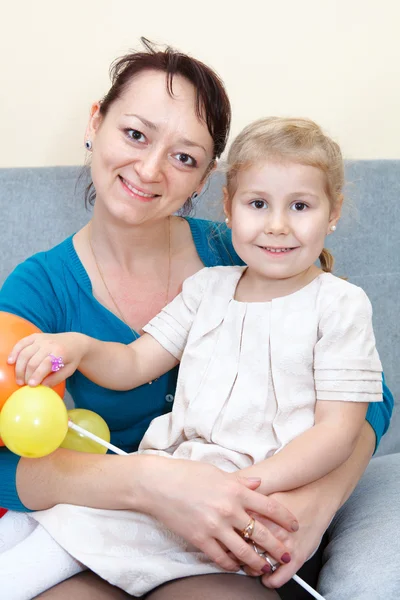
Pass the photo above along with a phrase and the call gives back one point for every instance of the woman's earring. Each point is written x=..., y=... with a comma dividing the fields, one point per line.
x=333, y=227
x=227, y=220
x=88, y=145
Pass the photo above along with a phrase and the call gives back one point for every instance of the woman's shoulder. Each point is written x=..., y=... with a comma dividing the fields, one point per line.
x=47, y=259
x=213, y=242
x=35, y=289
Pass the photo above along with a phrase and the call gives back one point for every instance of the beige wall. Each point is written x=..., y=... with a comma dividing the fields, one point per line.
x=337, y=61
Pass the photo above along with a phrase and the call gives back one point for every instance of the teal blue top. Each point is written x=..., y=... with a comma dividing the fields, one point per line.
x=52, y=290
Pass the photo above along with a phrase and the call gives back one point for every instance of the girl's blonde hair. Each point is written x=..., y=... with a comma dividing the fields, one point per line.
x=294, y=140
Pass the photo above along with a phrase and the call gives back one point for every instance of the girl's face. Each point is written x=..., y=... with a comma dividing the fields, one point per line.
x=280, y=215
x=150, y=152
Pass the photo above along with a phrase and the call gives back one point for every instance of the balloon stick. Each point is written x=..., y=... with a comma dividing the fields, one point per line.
x=95, y=438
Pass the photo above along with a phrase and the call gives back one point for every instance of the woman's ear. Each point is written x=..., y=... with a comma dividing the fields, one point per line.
x=94, y=122
x=227, y=206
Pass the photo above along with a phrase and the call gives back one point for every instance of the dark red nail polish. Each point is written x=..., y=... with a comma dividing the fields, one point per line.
x=266, y=569
x=286, y=558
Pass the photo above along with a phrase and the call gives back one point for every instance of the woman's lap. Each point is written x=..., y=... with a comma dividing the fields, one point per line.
x=88, y=586
x=361, y=560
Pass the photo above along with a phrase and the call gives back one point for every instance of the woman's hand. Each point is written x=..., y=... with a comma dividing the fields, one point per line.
x=314, y=512
x=209, y=508
x=34, y=356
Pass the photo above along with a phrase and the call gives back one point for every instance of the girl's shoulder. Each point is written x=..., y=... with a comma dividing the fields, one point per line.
x=213, y=242
x=337, y=292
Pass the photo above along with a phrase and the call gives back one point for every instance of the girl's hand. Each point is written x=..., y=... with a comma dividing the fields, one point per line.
x=209, y=508
x=33, y=356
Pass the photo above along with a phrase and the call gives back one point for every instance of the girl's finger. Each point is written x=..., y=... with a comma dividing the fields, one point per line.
x=22, y=361
x=27, y=341
x=38, y=368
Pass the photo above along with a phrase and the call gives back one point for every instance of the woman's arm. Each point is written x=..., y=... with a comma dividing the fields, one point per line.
x=195, y=500
x=316, y=504
x=316, y=452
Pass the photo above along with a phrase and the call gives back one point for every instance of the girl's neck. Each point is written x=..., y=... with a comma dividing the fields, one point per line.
x=253, y=287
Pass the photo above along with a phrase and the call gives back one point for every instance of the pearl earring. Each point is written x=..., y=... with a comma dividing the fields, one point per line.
x=227, y=220
x=333, y=228
x=88, y=145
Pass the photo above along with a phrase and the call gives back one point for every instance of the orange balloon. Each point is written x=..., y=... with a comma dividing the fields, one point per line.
x=13, y=329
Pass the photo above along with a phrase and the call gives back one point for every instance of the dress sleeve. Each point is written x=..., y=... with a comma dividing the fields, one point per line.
x=172, y=325
x=346, y=362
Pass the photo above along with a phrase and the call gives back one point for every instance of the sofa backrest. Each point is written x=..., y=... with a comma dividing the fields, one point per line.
x=41, y=206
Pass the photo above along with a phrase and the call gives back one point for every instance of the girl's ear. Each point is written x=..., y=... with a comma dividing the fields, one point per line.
x=335, y=214
x=227, y=206
x=94, y=121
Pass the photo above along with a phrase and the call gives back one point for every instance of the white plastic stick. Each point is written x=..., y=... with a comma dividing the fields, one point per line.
x=95, y=438
x=307, y=587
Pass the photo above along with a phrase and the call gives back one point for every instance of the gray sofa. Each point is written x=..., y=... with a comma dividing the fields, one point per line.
x=42, y=206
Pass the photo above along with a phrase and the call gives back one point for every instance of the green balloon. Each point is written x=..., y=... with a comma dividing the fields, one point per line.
x=92, y=422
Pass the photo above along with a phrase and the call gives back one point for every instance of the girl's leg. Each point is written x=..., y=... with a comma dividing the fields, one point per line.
x=33, y=565
x=361, y=561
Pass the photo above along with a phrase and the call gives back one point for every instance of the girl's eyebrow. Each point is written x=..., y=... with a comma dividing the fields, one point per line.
x=154, y=127
x=292, y=195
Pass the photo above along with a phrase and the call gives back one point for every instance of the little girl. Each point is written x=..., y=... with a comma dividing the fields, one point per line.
x=278, y=362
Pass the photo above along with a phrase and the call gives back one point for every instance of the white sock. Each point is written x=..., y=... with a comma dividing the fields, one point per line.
x=34, y=565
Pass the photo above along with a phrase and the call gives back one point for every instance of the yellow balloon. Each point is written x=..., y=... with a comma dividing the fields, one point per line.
x=92, y=422
x=33, y=421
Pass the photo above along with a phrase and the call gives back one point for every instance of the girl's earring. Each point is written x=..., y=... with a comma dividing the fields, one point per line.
x=333, y=227
x=88, y=145
x=227, y=220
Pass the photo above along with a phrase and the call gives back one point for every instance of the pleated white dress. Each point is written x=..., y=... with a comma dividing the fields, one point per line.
x=249, y=378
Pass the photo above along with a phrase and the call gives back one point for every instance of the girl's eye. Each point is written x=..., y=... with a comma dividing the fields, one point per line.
x=186, y=159
x=258, y=204
x=299, y=206
x=136, y=135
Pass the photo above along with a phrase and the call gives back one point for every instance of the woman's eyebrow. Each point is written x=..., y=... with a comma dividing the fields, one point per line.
x=154, y=127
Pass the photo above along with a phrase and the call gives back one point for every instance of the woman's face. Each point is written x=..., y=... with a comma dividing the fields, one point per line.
x=150, y=151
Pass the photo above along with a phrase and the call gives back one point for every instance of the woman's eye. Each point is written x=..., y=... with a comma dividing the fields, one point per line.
x=185, y=159
x=259, y=204
x=136, y=135
x=299, y=206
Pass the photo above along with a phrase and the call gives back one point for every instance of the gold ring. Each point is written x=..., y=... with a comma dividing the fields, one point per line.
x=248, y=530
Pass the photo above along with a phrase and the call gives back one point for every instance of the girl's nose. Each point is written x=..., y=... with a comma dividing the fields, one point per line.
x=276, y=223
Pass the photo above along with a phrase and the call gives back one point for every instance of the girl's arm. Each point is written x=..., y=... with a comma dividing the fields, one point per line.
x=109, y=364
x=316, y=452
x=315, y=505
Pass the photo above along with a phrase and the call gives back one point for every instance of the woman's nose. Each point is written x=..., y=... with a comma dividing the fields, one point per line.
x=149, y=166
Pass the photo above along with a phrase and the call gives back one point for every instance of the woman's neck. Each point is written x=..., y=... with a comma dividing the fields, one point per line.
x=129, y=246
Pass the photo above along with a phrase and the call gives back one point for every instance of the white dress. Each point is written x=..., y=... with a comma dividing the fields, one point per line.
x=249, y=378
